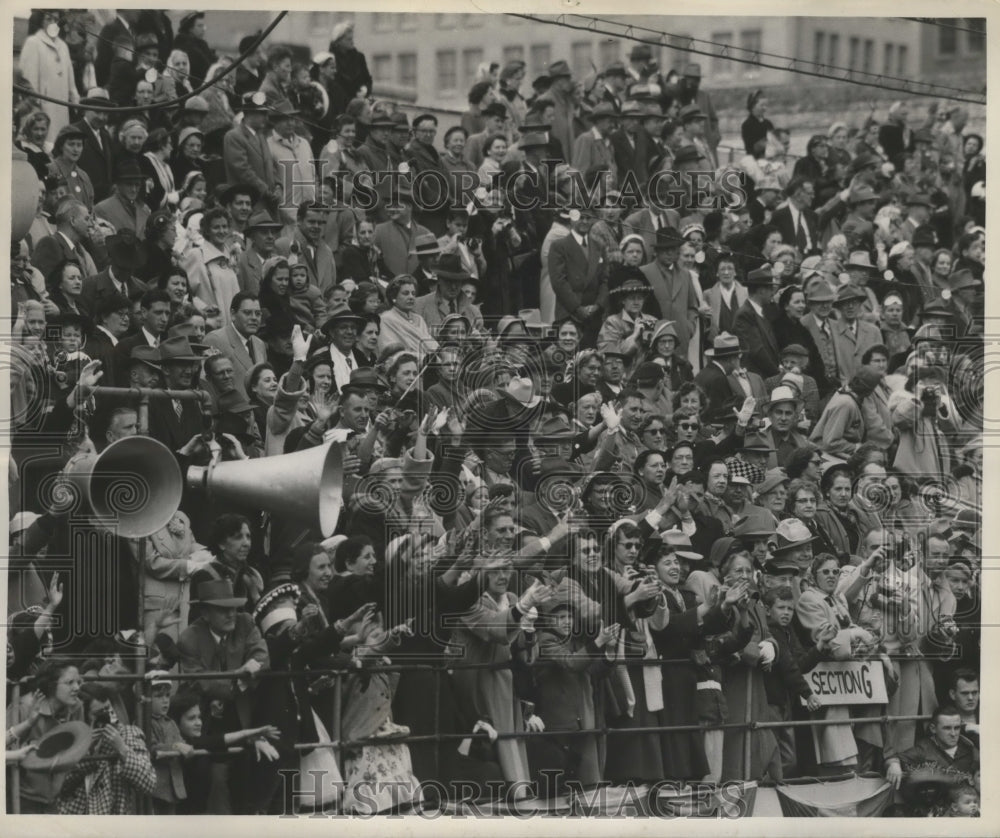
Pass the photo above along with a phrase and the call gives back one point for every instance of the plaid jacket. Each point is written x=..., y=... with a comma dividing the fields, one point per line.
x=106, y=787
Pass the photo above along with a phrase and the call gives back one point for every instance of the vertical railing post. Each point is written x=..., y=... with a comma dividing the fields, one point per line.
x=15, y=771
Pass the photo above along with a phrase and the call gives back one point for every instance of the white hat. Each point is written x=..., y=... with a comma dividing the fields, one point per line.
x=22, y=520
x=320, y=58
x=339, y=30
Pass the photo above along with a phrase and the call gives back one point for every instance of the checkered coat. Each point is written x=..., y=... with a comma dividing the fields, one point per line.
x=106, y=787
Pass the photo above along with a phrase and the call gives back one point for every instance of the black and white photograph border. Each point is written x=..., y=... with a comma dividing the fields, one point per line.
x=479, y=360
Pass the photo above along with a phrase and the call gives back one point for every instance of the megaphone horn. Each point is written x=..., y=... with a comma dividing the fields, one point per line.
x=135, y=485
x=306, y=485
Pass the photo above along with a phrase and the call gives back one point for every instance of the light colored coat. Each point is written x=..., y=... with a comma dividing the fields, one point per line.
x=713, y=296
x=47, y=67
x=230, y=343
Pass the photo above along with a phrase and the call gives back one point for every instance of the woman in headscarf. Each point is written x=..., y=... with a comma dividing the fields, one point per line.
x=353, y=78
x=838, y=153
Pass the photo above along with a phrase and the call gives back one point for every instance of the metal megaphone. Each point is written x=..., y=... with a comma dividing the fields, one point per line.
x=306, y=485
x=133, y=486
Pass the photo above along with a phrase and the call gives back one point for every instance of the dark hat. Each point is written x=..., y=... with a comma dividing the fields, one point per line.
x=60, y=749
x=185, y=330
x=551, y=467
x=668, y=238
x=148, y=355
x=865, y=380
x=821, y=292
x=919, y=199
x=533, y=141
x=632, y=109
x=367, y=377
x=283, y=110
x=218, y=592
x=773, y=478
x=67, y=132
x=227, y=191
x=724, y=345
x=615, y=68
x=125, y=249
x=342, y=314
x=262, y=220
x=254, y=101
x=127, y=169
x=936, y=307
x=630, y=279
x=640, y=52
x=559, y=69
x=725, y=412
x=279, y=589
x=571, y=391
x=794, y=349
x=555, y=428
x=449, y=266
x=177, y=349
x=247, y=41
x=380, y=119
x=848, y=293
x=962, y=278
x=923, y=135
x=924, y=236
x=861, y=194
x=692, y=71
x=691, y=112
x=649, y=371
x=494, y=109
x=863, y=161
x=760, y=278
x=756, y=442
x=688, y=154
x=188, y=20
x=602, y=110
x=757, y=523
x=233, y=402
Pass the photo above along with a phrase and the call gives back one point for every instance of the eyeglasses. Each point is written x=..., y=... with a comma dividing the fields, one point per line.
x=688, y=426
x=656, y=431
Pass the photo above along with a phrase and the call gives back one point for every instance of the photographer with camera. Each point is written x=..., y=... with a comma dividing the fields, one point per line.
x=925, y=418
x=628, y=331
x=107, y=786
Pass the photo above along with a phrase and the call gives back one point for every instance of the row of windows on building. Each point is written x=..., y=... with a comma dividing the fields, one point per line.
x=456, y=68
x=951, y=32
x=861, y=54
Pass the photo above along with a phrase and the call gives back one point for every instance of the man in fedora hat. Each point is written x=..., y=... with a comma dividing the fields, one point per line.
x=767, y=195
x=171, y=421
x=694, y=123
x=690, y=92
x=126, y=255
x=562, y=95
x=376, y=154
x=852, y=336
x=625, y=141
x=447, y=297
x=98, y=146
x=673, y=296
x=434, y=179
x=648, y=222
x=783, y=411
x=592, y=149
x=796, y=220
x=722, y=358
x=427, y=249
x=919, y=209
x=293, y=156
x=397, y=237
x=795, y=359
x=261, y=234
x=342, y=327
x=125, y=209
x=614, y=82
x=247, y=157
x=752, y=324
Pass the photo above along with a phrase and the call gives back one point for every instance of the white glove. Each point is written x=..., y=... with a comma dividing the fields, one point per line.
x=746, y=411
x=300, y=345
x=978, y=190
x=767, y=652
x=486, y=726
x=528, y=619
x=534, y=723
x=526, y=604
x=612, y=419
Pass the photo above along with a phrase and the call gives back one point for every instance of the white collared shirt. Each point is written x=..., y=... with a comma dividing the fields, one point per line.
x=579, y=239
x=756, y=306
x=114, y=340
x=341, y=370
x=151, y=339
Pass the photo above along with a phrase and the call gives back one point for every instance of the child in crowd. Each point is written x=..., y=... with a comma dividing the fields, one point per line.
x=306, y=299
x=963, y=802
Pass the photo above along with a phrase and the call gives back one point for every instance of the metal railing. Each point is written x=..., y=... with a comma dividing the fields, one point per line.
x=340, y=745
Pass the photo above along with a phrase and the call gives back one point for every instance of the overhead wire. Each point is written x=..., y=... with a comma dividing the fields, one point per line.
x=938, y=22
x=685, y=46
x=819, y=64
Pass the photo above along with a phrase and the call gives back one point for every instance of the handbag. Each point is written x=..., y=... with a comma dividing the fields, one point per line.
x=319, y=778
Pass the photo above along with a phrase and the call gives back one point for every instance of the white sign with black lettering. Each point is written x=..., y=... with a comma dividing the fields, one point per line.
x=848, y=682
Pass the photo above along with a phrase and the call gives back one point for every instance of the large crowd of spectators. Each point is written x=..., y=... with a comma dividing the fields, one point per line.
x=633, y=455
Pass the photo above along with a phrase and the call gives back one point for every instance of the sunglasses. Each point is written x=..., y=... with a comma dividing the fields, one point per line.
x=656, y=431
x=688, y=426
